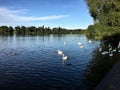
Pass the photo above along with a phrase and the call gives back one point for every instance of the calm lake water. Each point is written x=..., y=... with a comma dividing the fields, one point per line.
x=33, y=63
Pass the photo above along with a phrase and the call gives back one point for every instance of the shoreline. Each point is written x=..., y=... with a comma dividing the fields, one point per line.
x=111, y=81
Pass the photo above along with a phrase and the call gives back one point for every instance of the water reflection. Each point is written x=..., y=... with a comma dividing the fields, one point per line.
x=32, y=62
x=101, y=62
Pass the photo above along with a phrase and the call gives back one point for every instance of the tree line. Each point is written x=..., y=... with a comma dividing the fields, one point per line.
x=32, y=30
x=106, y=16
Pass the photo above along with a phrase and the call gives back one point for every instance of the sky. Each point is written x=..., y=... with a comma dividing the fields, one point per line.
x=69, y=14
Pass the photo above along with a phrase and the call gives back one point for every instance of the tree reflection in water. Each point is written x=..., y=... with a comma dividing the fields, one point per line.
x=100, y=64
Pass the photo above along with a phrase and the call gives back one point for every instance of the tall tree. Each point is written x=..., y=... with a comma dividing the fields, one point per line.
x=106, y=14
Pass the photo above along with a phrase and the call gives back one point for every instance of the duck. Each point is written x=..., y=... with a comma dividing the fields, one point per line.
x=14, y=53
x=68, y=64
x=60, y=52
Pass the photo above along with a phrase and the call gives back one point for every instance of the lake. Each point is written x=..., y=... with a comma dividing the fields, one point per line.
x=33, y=63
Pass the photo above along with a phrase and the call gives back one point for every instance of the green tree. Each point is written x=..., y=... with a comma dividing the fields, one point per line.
x=4, y=30
x=106, y=14
x=10, y=30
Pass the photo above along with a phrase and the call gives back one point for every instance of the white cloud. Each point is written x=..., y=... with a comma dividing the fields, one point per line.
x=8, y=15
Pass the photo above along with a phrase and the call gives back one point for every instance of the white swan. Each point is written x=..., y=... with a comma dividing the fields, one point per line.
x=118, y=50
x=114, y=50
x=82, y=46
x=111, y=54
x=105, y=52
x=79, y=43
x=60, y=52
x=64, y=43
x=64, y=57
x=109, y=45
x=118, y=46
x=110, y=48
x=89, y=41
x=100, y=49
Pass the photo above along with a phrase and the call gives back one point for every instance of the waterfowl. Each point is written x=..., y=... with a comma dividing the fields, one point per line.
x=109, y=45
x=82, y=46
x=118, y=46
x=14, y=53
x=111, y=54
x=64, y=57
x=105, y=52
x=68, y=64
x=89, y=41
x=110, y=48
x=79, y=43
x=118, y=50
x=60, y=52
x=64, y=43
x=114, y=50
x=100, y=49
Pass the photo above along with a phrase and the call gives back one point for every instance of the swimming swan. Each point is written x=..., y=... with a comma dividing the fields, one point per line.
x=79, y=43
x=111, y=54
x=64, y=57
x=89, y=41
x=64, y=43
x=60, y=52
x=82, y=46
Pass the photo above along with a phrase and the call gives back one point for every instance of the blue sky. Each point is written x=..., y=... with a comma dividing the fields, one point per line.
x=70, y=14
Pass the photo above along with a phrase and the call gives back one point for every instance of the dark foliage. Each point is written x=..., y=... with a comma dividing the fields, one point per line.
x=32, y=30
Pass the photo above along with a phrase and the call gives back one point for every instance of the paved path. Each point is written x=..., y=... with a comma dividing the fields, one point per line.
x=112, y=80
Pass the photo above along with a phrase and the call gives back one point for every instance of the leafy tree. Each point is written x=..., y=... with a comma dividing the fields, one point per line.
x=10, y=30
x=106, y=14
x=4, y=30
x=32, y=30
